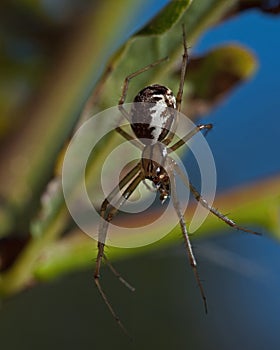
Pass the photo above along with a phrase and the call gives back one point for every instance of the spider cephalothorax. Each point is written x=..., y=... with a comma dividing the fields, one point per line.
x=154, y=163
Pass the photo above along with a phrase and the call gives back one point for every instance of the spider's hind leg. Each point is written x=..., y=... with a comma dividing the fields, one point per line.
x=100, y=255
x=206, y=205
x=107, y=213
x=187, y=241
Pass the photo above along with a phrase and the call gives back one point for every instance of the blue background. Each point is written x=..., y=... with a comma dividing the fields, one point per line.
x=246, y=136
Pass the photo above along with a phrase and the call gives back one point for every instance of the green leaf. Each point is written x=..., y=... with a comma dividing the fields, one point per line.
x=256, y=205
x=167, y=17
x=54, y=111
x=140, y=50
x=215, y=74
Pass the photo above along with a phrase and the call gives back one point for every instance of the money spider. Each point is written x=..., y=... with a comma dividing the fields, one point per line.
x=153, y=121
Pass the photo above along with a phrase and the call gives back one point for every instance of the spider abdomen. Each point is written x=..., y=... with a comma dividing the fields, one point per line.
x=153, y=113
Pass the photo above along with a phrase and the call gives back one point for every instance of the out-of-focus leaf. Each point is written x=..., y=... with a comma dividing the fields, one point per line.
x=212, y=76
x=30, y=155
x=51, y=201
x=140, y=51
x=257, y=204
x=166, y=18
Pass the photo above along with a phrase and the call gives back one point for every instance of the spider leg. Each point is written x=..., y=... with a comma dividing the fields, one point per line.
x=185, y=60
x=107, y=213
x=124, y=181
x=179, y=96
x=187, y=137
x=104, y=224
x=130, y=138
x=100, y=289
x=127, y=80
x=117, y=274
x=188, y=245
x=206, y=205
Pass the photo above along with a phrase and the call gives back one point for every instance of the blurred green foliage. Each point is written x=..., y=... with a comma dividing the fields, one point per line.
x=55, y=59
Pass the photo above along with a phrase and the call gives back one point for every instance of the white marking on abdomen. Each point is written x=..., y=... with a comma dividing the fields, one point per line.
x=158, y=118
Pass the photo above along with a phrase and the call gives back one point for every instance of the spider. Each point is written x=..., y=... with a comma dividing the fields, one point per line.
x=152, y=123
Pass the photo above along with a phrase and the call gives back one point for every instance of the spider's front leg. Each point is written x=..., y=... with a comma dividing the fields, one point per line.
x=187, y=137
x=179, y=96
x=185, y=60
x=127, y=80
